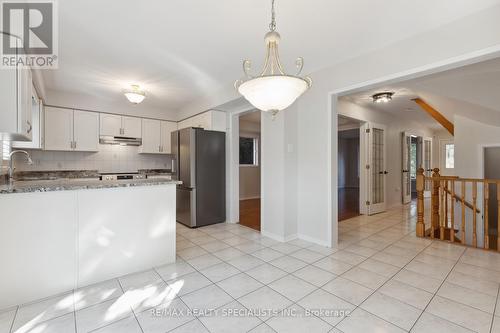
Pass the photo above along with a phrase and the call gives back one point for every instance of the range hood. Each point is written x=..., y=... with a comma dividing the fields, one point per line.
x=119, y=140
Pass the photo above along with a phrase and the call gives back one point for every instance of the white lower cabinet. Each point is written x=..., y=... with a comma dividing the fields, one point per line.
x=156, y=136
x=70, y=130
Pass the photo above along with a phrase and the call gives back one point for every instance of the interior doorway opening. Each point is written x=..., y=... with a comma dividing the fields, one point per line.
x=491, y=171
x=250, y=169
x=349, y=164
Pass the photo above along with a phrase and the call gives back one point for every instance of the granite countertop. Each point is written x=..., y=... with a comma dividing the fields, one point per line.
x=55, y=175
x=78, y=184
x=155, y=171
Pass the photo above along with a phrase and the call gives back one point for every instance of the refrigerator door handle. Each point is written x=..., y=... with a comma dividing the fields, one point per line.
x=173, y=166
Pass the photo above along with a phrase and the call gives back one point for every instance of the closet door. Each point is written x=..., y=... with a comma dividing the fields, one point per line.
x=377, y=172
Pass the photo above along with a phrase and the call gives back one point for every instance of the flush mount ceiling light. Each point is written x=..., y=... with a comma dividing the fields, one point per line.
x=383, y=97
x=135, y=95
x=272, y=90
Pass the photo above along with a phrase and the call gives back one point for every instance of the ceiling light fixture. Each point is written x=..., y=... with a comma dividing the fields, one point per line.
x=135, y=95
x=272, y=90
x=383, y=97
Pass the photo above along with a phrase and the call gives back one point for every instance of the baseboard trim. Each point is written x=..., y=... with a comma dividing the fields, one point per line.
x=278, y=238
x=314, y=240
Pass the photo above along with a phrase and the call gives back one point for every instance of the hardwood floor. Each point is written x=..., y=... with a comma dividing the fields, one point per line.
x=250, y=213
x=348, y=203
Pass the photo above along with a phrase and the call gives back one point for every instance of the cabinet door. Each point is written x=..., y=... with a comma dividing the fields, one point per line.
x=86, y=131
x=25, y=125
x=151, y=138
x=132, y=127
x=167, y=127
x=58, y=128
x=110, y=124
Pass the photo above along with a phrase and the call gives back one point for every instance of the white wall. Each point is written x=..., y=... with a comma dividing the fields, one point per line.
x=279, y=182
x=470, y=138
x=250, y=175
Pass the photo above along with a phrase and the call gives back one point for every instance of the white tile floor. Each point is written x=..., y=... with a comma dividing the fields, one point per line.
x=380, y=278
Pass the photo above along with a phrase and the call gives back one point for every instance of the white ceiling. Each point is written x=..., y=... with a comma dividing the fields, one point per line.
x=252, y=117
x=183, y=50
x=471, y=91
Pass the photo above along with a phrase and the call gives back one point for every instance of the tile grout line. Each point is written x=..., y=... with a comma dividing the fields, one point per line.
x=14, y=319
x=494, y=311
x=435, y=294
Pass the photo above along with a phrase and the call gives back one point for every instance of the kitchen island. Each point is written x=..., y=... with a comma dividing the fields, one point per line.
x=61, y=235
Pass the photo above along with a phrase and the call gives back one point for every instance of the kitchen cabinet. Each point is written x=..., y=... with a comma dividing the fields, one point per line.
x=15, y=94
x=114, y=125
x=167, y=127
x=37, y=117
x=211, y=120
x=85, y=131
x=132, y=127
x=71, y=130
x=151, y=140
x=156, y=136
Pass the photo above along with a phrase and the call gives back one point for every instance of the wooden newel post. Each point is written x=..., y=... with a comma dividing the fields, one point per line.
x=420, y=203
x=435, y=201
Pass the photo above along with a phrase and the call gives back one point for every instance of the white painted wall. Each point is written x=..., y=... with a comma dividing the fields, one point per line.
x=405, y=59
x=250, y=175
x=279, y=182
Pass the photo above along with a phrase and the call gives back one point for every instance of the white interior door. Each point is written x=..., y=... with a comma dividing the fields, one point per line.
x=427, y=164
x=405, y=164
x=377, y=172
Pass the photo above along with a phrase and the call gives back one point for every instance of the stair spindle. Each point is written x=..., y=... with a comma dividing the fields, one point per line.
x=486, y=215
x=463, y=211
x=474, y=213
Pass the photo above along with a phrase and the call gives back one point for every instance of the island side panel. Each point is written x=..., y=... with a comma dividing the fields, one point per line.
x=124, y=230
x=37, y=246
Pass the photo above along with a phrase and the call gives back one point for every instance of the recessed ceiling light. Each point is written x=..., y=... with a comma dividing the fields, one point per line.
x=383, y=97
x=135, y=95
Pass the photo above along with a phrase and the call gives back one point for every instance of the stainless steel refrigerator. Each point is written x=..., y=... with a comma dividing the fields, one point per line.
x=200, y=163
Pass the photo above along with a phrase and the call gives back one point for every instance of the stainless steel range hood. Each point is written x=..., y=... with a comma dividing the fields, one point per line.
x=120, y=140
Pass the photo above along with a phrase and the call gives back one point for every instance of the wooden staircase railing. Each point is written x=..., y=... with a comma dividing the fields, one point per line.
x=453, y=216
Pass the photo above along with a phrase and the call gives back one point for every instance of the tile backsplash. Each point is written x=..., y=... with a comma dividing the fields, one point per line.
x=109, y=158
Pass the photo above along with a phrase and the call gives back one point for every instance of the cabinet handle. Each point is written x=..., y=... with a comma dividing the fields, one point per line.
x=30, y=128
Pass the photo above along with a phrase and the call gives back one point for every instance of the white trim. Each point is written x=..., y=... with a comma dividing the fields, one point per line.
x=314, y=240
x=278, y=238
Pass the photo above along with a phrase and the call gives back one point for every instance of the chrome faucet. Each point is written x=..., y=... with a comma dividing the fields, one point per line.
x=11, y=168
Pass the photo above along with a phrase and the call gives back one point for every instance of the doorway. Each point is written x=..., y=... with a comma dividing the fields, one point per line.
x=416, y=153
x=491, y=171
x=348, y=170
x=249, y=169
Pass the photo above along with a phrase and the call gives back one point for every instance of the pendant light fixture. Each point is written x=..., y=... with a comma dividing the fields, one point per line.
x=135, y=95
x=272, y=90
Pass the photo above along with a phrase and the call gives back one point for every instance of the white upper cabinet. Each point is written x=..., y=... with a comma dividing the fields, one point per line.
x=132, y=127
x=167, y=127
x=113, y=125
x=15, y=96
x=58, y=129
x=70, y=130
x=156, y=136
x=110, y=125
x=211, y=120
x=151, y=139
x=37, y=119
x=85, y=131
